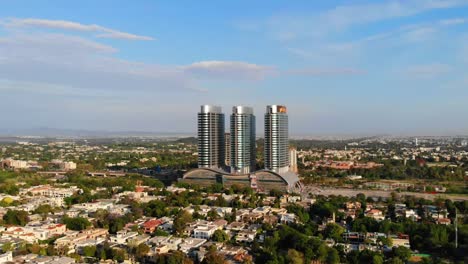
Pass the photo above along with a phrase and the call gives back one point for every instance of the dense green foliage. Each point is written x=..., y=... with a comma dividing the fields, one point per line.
x=16, y=217
x=220, y=236
x=76, y=223
x=278, y=244
x=175, y=257
x=181, y=220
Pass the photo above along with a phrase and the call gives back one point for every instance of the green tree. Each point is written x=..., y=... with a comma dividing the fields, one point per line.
x=34, y=248
x=89, y=251
x=214, y=257
x=141, y=251
x=16, y=217
x=402, y=253
x=176, y=257
x=9, y=188
x=276, y=193
x=160, y=232
x=377, y=259
x=385, y=241
x=220, y=236
x=119, y=255
x=213, y=215
x=396, y=260
x=333, y=231
x=76, y=223
x=51, y=251
x=7, y=247
x=333, y=257
x=181, y=221
x=300, y=211
x=44, y=209
x=103, y=255
x=295, y=257
x=220, y=201
x=116, y=224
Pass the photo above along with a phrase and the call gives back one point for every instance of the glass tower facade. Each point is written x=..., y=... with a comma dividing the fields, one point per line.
x=276, y=139
x=227, y=149
x=210, y=137
x=242, y=140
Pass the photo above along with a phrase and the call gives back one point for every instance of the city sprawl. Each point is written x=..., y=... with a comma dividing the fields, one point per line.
x=155, y=200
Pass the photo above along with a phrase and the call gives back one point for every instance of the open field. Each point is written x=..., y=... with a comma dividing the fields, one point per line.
x=327, y=191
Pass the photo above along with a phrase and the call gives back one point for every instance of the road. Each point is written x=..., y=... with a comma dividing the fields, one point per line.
x=318, y=190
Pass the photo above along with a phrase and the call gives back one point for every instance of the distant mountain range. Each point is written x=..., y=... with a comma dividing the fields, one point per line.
x=83, y=133
x=56, y=132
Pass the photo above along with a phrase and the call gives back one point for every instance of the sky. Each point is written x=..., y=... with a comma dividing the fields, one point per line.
x=341, y=67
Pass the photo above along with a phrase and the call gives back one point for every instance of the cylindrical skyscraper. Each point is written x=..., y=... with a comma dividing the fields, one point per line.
x=210, y=137
x=242, y=140
x=276, y=139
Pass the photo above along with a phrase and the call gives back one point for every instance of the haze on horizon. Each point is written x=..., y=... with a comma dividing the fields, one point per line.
x=341, y=67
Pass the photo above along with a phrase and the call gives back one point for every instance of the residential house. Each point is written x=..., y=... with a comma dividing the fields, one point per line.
x=191, y=243
x=151, y=225
x=376, y=214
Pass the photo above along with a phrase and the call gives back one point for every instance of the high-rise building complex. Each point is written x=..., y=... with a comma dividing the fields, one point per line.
x=210, y=137
x=227, y=149
x=230, y=158
x=242, y=140
x=276, y=139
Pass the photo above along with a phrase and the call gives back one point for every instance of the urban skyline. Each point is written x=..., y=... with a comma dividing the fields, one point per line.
x=219, y=132
x=279, y=170
x=354, y=67
x=235, y=151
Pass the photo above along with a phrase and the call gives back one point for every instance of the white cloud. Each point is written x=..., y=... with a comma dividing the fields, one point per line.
x=79, y=65
x=67, y=52
x=103, y=32
x=62, y=45
x=229, y=70
x=416, y=32
x=422, y=33
x=404, y=37
x=292, y=27
x=72, y=61
x=325, y=71
x=348, y=15
x=123, y=35
x=46, y=23
x=326, y=52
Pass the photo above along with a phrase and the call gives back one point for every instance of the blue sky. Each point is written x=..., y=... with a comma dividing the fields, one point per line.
x=341, y=67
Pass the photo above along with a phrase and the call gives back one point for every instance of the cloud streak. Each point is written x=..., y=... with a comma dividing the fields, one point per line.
x=73, y=62
x=229, y=70
x=325, y=71
x=102, y=32
x=348, y=15
x=297, y=27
